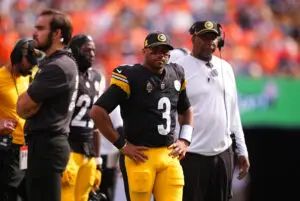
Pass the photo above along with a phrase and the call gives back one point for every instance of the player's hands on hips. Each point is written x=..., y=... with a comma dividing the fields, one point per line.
x=135, y=152
x=7, y=126
x=179, y=149
x=243, y=165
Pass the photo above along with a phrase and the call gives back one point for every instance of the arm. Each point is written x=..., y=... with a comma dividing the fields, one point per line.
x=185, y=115
x=236, y=125
x=47, y=83
x=243, y=160
x=118, y=91
x=96, y=132
x=100, y=114
x=241, y=148
x=104, y=124
x=186, y=121
x=97, y=142
x=26, y=107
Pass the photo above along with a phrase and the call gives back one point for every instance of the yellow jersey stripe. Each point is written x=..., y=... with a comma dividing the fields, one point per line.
x=119, y=75
x=121, y=83
x=183, y=86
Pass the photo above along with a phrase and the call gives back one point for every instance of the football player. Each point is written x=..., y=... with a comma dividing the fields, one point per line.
x=80, y=175
x=150, y=95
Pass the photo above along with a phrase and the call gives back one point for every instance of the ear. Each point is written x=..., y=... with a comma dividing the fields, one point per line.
x=57, y=35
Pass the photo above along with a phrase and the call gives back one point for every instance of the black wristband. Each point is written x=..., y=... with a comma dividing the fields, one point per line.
x=120, y=142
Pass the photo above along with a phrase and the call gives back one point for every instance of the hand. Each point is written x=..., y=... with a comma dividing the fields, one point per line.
x=7, y=126
x=135, y=152
x=179, y=149
x=243, y=165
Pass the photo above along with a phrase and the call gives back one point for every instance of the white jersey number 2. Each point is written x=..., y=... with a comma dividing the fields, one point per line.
x=84, y=102
x=164, y=103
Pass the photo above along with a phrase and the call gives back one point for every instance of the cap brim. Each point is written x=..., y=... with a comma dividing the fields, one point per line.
x=208, y=31
x=160, y=44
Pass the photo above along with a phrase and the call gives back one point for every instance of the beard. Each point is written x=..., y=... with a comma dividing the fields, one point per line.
x=83, y=63
x=47, y=45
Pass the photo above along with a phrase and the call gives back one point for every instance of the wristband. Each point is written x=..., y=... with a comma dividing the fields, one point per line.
x=99, y=160
x=120, y=143
x=186, y=132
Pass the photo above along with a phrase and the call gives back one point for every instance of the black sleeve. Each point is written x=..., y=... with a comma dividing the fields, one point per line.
x=183, y=102
x=111, y=98
x=47, y=83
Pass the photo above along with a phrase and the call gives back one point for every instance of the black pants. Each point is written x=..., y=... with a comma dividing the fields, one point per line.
x=47, y=159
x=46, y=187
x=108, y=181
x=208, y=178
x=12, y=182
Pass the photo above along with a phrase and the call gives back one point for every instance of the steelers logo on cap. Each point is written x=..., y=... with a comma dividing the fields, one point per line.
x=209, y=25
x=161, y=37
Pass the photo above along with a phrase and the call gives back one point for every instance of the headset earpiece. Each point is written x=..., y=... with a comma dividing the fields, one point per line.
x=221, y=39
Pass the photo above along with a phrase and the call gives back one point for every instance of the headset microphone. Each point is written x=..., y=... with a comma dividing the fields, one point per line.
x=221, y=39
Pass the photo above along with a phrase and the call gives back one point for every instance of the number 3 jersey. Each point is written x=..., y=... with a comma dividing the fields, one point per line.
x=82, y=126
x=149, y=111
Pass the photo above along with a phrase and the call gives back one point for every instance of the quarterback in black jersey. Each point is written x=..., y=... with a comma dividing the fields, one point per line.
x=79, y=176
x=150, y=95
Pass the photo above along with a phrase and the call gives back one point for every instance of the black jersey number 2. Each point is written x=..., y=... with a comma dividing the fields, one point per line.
x=84, y=103
x=165, y=104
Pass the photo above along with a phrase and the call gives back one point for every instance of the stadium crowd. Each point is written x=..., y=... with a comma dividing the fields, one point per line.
x=262, y=36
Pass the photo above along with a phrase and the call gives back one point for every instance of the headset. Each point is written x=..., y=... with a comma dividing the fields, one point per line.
x=221, y=38
x=24, y=47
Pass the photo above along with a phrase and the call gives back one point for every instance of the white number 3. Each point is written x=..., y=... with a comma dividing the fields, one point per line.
x=164, y=103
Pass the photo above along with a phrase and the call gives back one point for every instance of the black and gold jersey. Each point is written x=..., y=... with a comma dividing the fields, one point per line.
x=149, y=111
x=82, y=126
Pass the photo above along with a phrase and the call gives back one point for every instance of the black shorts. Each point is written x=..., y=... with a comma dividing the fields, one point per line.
x=10, y=173
x=47, y=153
